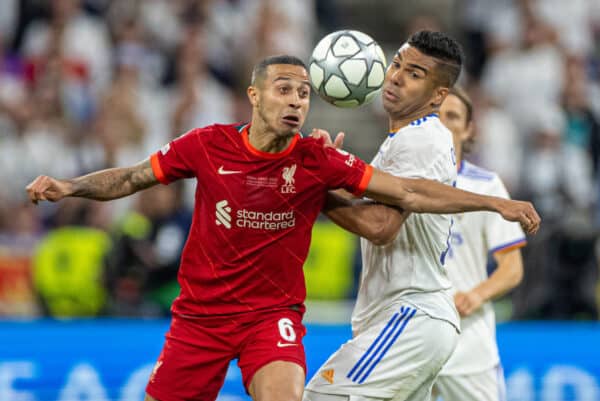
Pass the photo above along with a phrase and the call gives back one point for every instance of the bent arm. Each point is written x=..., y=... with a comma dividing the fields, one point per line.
x=102, y=185
x=376, y=222
x=507, y=275
x=427, y=196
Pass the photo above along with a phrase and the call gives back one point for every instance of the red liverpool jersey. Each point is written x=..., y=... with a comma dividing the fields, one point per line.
x=253, y=216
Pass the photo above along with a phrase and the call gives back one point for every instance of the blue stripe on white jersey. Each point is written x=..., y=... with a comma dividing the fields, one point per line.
x=474, y=172
x=388, y=336
x=416, y=123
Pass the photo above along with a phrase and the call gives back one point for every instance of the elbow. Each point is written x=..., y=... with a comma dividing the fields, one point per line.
x=517, y=277
x=409, y=202
x=381, y=236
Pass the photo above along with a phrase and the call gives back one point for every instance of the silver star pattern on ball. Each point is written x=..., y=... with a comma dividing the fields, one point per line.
x=346, y=66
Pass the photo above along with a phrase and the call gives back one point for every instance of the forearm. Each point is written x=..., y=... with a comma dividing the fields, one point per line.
x=113, y=183
x=375, y=222
x=507, y=276
x=427, y=196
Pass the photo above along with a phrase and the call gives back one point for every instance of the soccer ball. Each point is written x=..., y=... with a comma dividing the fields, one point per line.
x=347, y=68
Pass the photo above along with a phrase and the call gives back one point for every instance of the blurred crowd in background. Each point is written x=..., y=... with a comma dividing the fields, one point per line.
x=92, y=84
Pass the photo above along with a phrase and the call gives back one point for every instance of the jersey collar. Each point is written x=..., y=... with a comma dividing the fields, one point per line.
x=415, y=123
x=267, y=155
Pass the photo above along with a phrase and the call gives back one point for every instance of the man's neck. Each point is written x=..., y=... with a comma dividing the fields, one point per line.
x=400, y=122
x=265, y=140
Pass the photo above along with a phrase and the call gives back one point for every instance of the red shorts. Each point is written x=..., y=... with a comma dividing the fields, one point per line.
x=197, y=351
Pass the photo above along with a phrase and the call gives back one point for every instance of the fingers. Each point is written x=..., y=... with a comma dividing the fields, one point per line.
x=461, y=302
x=322, y=134
x=530, y=220
x=36, y=190
x=339, y=140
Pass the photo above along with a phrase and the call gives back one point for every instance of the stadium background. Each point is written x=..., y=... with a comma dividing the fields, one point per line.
x=89, y=84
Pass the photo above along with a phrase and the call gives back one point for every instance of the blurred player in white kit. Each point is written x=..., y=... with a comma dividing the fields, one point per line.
x=474, y=372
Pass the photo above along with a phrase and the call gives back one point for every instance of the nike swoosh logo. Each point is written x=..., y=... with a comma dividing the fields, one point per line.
x=222, y=171
x=282, y=345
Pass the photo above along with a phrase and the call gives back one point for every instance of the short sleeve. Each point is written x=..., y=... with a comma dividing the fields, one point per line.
x=502, y=235
x=341, y=169
x=175, y=160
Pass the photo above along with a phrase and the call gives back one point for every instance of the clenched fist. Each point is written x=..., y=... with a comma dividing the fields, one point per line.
x=523, y=212
x=48, y=189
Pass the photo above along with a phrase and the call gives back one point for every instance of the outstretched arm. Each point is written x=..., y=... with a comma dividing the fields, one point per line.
x=102, y=185
x=376, y=222
x=426, y=196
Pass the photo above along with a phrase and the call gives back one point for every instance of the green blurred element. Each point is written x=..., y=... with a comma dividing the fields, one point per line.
x=330, y=263
x=135, y=225
x=165, y=295
x=68, y=271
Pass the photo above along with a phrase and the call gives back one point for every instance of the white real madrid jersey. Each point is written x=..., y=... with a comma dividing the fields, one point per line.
x=474, y=236
x=411, y=268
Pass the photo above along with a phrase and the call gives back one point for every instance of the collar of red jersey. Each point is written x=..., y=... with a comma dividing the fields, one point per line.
x=244, y=130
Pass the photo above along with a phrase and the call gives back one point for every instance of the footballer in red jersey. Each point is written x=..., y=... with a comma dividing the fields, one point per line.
x=253, y=217
x=259, y=190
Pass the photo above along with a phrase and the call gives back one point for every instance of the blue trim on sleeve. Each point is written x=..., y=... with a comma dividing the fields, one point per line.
x=507, y=245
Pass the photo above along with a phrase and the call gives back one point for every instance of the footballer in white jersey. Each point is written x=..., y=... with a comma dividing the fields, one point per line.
x=473, y=373
x=404, y=324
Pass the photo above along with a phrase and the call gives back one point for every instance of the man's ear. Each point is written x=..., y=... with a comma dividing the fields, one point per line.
x=469, y=132
x=253, y=96
x=438, y=96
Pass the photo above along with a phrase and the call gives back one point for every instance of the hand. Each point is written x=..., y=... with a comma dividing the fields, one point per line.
x=321, y=133
x=520, y=211
x=47, y=188
x=467, y=302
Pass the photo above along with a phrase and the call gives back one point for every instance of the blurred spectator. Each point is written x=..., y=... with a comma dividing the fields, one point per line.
x=142, y=275
x=81, y=40
x=557, y=174
x=582, y=128
x=499, y=144
x=19, y=235
x=519, y=77
x=69, y=263
x=198, y=97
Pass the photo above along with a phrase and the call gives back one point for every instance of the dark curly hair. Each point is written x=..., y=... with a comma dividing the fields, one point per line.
x=445, y=49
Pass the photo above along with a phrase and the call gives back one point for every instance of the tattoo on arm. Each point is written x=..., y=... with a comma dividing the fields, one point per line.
x=114, y=183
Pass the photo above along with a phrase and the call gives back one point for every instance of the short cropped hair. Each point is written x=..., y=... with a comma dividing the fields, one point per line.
x=260, y=69
x=445, y=49
x=464, y=97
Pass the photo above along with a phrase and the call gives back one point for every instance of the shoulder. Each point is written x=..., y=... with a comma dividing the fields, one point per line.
x=311, y=151
x=314, y=154
x=480, y=179
x=471, y=171
x=310, y=144
x=428, y=129
x=429, y=139
x=214, y=131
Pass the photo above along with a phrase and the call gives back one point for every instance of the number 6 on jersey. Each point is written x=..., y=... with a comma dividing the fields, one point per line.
x=286, y=329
